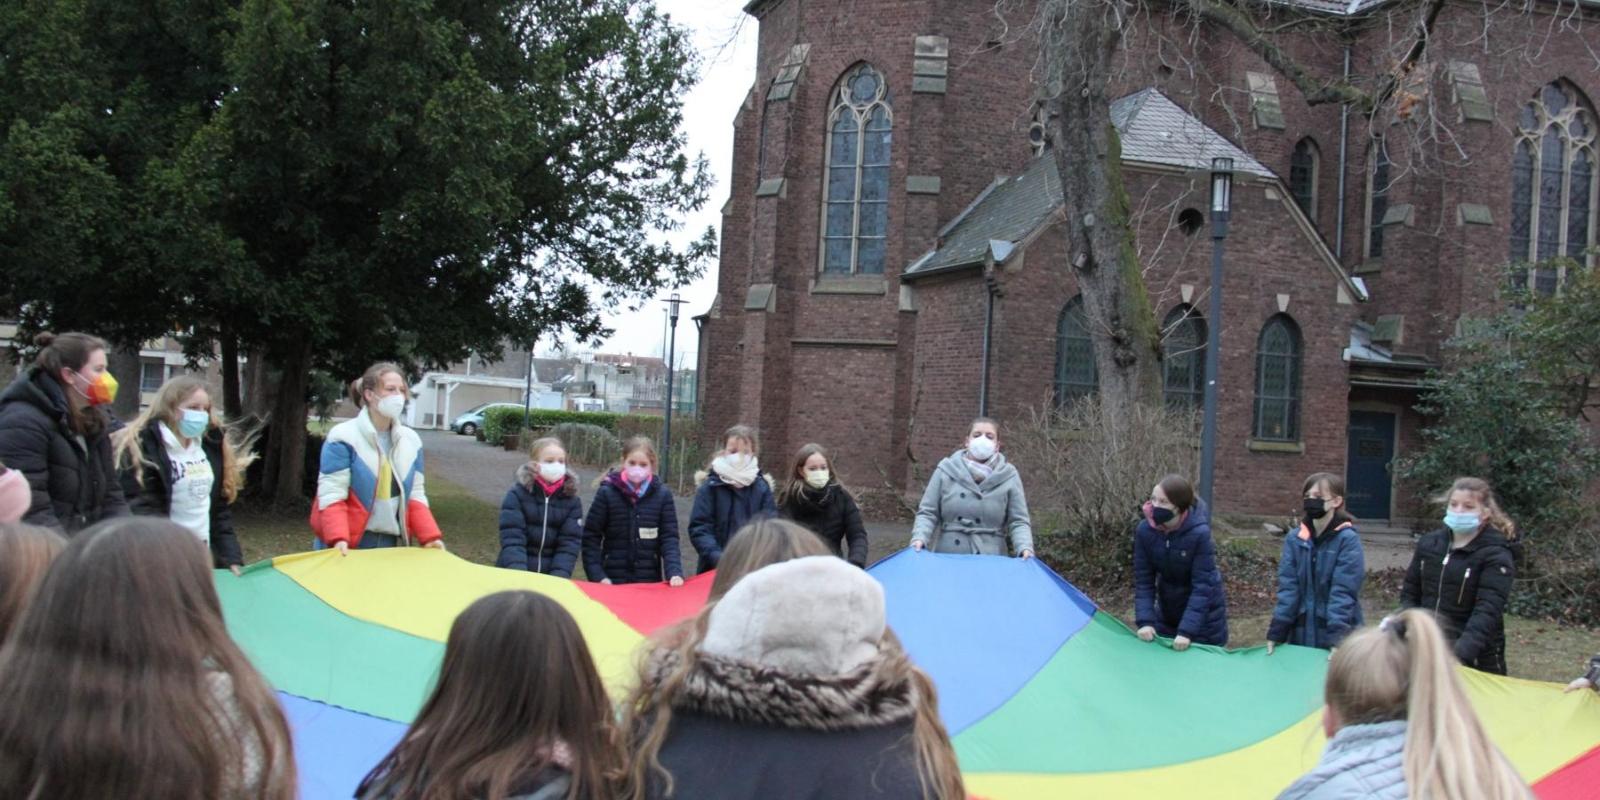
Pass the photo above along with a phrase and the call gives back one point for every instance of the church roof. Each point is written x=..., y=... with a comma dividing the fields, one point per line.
x=1153, y=130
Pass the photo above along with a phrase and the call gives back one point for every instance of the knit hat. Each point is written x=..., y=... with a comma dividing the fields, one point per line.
x=15, y=495
x=817, y=615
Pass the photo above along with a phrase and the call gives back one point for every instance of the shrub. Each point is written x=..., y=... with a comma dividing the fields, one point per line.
x=1087, y=477
x=589, y=445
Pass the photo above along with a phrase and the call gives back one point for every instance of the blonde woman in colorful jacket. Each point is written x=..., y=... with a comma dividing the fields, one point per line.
x=370, y=490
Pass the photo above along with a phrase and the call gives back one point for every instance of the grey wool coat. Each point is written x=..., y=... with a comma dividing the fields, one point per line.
x=958, y=515
x=1360, y=762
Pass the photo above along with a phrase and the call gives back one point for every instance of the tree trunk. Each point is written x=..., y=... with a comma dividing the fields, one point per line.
x=1080, y=40
x=127, y=367
x=284, y=471
x=257, y=387
x=232, y=406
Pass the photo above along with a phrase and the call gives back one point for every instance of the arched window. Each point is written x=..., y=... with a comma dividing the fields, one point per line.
x=1303, y=165
x=1183, y=358
x=1076, y=375
x=1553, y=183
x=856, y=204
x=1378, y=180
x=1277, y=416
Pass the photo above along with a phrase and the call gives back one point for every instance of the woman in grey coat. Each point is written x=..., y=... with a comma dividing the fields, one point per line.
x=974, y=501
x=1399, y=723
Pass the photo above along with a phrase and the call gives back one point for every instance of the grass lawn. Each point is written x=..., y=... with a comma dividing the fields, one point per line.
x=471, y=527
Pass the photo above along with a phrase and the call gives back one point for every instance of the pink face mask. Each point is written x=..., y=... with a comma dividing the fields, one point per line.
x=636, y=475
x=15, y=496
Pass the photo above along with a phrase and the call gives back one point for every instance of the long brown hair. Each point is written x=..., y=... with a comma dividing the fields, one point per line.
x=648, y=711
x=795, y=482
x=1404, y=669
x=25, y=553
x=121, y=680
x=486, y=739
x=71, y=351
x=236, y=449
x=1494, y=515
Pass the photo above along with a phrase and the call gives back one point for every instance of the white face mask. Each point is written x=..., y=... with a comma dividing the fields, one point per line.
x=392, y=406
x=817, y=478
x=552, y=471
x=980, y=447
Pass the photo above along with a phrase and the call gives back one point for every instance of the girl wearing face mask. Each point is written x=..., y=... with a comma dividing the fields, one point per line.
x=1320, y=573
x=53, y=430
x=974, y=501
x=1462, y=573
x=370, y=489
x=1177, y=588
x=541, y=519
x=179, y=461
x=631, y=533
x=732, y=492
x=814, y=497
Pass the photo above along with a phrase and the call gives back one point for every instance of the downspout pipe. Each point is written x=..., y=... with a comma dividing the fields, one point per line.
x=1344, y=155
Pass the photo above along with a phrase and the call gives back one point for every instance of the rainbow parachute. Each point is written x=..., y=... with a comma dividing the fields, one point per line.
x=1045, y=695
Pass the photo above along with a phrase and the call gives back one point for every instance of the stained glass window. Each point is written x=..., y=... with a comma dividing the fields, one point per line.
x=1277, y=411
x=1076, y=375
x=856, y=203
x=1553, y=185
x=1377, y=197
x=1183, y=358
x=1303, y=176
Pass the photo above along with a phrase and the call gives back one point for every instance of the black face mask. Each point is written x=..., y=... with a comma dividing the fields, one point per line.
x=1162, y=516
x=1316, y=507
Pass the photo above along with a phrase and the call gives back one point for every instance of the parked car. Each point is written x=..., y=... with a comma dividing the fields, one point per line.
x=469, y=422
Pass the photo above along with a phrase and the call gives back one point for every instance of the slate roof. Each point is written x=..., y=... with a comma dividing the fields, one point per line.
x=1153, y=130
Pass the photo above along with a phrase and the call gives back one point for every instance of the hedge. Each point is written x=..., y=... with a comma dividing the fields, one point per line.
x=500, y=421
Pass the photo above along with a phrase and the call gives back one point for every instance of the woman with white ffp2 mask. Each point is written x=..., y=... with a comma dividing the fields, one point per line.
x=974, y=502
x=370, y=489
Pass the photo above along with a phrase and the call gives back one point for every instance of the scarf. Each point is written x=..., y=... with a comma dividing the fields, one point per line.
x=981, y=470
x=735, y=476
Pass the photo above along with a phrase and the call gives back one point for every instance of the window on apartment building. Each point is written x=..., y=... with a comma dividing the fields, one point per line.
x=1553, y=185
x=152, y=373
x=1303, y=165
x=1076, y=375
x=1378, y=181
x=1183, y=358
x=855, y=206
x=1277, y=411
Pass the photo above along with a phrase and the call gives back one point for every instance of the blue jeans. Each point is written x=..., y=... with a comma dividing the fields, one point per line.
x=369, y=541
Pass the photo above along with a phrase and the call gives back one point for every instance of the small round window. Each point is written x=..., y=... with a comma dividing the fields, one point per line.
x=1190, y=221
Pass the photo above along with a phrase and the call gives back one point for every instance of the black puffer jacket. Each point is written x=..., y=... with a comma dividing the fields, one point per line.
x=1466, y=589
x=74, y=479
x=833, y=515
x=629, y=539
x=540, y=532
x=154, y=496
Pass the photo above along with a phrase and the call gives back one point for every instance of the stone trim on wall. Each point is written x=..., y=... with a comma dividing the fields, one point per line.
x=930, y=67
x=788, y=73
x=1265, y=108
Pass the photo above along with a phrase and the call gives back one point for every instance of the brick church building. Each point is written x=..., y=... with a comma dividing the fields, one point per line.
x=887, y=173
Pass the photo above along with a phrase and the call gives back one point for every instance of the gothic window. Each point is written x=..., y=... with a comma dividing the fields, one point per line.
x=1183, y=358
x=1277, y=411
x=1303, y=164
x=1553, y=184
x=1378, y=179
x=856, y=203
x=1076, y=375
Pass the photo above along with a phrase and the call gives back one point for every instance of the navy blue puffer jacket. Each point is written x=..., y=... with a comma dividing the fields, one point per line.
x=540, y=532
x=721, y=509
x=631, y=539
x=1177, y=588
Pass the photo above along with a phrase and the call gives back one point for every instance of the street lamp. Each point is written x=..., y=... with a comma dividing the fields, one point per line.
x=672, y=304
x=1221, y=199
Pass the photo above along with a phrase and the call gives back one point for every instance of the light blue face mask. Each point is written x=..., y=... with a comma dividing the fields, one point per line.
x=193, y=423
x=1462, y=521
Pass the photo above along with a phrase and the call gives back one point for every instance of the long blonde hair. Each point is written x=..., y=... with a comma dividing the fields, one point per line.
x=647, y=713
x=236, y=448
x=1404, y=669
x=1494, y=514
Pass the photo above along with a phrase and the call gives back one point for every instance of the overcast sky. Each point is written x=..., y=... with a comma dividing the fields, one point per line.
x=725, y=39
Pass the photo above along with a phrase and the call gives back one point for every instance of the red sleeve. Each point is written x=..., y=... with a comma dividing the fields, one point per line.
x=420, y=523
x=331, y=524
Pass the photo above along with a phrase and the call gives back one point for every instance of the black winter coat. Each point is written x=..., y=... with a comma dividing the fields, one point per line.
x=74, y=478
x=1466, y=589
x=154, y=497
x=720, y=510
x=539, y=532
x=628, y=539
x=833, y=515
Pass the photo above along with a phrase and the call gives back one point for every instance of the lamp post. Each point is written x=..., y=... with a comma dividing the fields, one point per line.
x=1221, y=198
x=672, y=304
